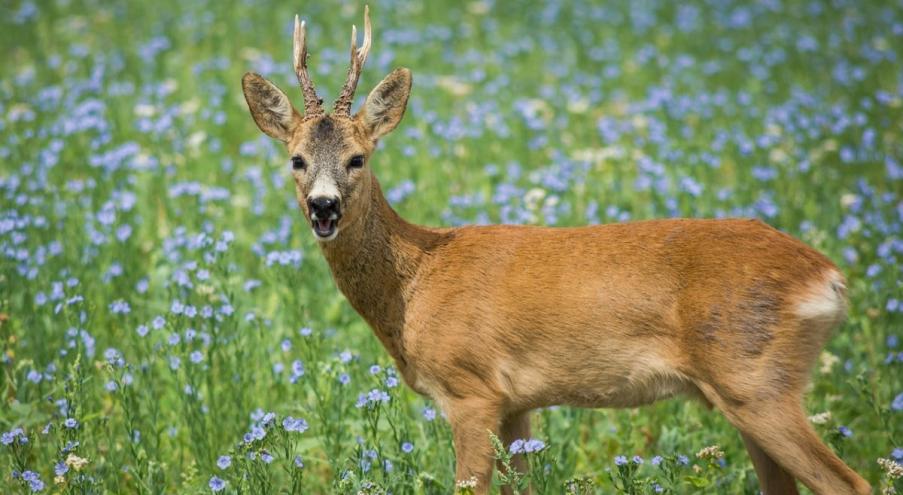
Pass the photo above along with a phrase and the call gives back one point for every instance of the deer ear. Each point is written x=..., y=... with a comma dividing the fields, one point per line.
x=386, y=104
x=270, y=107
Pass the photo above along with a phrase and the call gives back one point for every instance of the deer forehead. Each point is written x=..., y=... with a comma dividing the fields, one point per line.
x=329, y=140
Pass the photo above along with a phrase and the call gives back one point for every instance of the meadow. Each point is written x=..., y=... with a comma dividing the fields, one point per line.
x=169, y=326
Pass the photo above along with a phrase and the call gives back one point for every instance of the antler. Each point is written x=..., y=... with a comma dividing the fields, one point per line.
x=358, y=57
x=312, y=102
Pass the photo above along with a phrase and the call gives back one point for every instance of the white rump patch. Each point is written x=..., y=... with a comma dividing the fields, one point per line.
x=825, y=300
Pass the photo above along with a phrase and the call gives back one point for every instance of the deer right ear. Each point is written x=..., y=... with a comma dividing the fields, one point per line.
x=270, y=107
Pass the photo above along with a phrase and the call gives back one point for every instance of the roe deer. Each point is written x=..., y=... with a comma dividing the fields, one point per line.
x=493, y=321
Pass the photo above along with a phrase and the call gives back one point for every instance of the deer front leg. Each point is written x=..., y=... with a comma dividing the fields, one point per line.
x=514, y=427
x=472, y=420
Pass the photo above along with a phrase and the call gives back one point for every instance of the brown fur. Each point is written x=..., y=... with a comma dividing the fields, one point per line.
x=494, y=321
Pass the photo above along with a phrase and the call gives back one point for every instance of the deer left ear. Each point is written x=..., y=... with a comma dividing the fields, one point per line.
x=386, y=104
x=270, y=107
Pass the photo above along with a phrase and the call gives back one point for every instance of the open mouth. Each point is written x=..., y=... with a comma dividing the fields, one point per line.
x=325, y=228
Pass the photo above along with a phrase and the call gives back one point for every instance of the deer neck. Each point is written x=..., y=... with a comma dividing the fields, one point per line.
x=374, y=262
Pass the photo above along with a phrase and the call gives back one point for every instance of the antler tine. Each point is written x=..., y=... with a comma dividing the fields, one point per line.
x=368, y=36
x=312, y=102
x=358, y=57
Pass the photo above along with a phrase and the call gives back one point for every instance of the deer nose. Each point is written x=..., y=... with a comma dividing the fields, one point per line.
x=323, y=207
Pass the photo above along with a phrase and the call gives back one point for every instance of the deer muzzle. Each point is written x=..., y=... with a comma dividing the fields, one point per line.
x=325, y=213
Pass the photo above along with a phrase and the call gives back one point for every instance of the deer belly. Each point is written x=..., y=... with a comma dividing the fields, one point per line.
x=589, y=379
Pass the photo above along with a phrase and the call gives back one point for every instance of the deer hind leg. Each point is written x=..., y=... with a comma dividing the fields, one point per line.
x=773, y=480
x=784, y=434
x=515, y=426
x=779, y=428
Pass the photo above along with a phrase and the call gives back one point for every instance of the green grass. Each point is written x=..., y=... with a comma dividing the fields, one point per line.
x=568, y=113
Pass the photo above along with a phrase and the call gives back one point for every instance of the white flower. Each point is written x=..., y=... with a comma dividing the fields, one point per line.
x=892, y=468
x=468, y=483
x=820, y=418
x=710, y=452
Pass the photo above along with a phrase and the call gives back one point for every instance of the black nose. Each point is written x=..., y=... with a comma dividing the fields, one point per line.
x=323, y=207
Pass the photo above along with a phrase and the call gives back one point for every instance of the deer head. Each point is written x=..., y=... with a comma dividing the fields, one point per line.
x=330, y=153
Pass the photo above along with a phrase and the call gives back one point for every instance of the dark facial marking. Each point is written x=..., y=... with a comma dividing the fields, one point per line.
x=324, y=129
x=327, y=141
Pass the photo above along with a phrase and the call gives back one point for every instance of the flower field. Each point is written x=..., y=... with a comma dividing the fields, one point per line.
x=168, y=324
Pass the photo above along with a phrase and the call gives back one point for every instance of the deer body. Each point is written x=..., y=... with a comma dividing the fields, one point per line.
x=494, y=321
x=604, y=316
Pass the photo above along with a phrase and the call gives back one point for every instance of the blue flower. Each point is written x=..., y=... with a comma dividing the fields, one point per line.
x=36, y=485
x=266, y=457
x=429, y=413
x=119, y=306
x=299, y=462
x=34, y=481
x=177, y=308
x=620, y=460
x=846, y=432
x=60, y=469
x=407, y=447
x=656, y=460
x=114, y=357
x=294, y=424
x=372, y=399
x=217, y=484
x=897, y=404
x=224, y=462
x=533, y=445
x=517, y=447
x=70, y=423
x=297, y=368
x=637, y=460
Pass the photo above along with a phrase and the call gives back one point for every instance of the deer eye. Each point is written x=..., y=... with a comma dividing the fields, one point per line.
x=298, y=163
x=356, y=161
